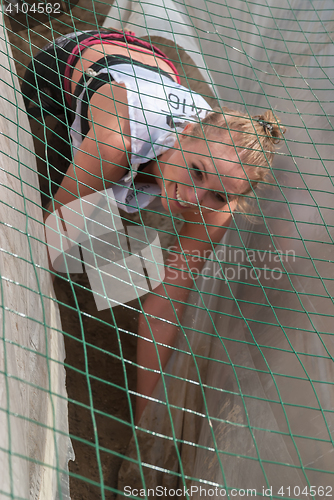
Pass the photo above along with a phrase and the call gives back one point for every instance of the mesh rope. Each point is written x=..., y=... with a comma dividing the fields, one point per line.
x=245, y=405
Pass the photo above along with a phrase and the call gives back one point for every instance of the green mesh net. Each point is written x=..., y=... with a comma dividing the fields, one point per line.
x=245, y=405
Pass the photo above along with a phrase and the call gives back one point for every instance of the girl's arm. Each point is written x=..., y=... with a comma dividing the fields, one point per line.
x=103, y=157
x=164, y=307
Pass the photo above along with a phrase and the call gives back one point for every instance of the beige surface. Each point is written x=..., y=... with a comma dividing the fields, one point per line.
x=33, y=411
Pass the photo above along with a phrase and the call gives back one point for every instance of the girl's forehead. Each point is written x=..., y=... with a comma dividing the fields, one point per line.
x=213, y=149
x=232, y=177
x=217, y=157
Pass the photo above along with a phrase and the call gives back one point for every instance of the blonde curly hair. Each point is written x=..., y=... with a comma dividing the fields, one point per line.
x=254, y=138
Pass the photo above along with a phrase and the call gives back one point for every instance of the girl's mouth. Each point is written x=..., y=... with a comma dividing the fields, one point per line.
x=180, y=202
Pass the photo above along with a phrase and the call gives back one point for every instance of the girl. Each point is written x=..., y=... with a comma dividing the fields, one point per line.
x=131, y=121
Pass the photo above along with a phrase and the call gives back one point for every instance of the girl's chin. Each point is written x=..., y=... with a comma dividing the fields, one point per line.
x=171, y=206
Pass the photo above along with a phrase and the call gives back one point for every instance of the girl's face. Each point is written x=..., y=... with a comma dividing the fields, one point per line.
x=199, y=173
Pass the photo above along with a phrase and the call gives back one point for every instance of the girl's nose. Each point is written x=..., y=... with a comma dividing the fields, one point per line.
x=196, y=195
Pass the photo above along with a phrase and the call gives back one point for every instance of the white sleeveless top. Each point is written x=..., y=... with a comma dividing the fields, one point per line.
x=159, y=109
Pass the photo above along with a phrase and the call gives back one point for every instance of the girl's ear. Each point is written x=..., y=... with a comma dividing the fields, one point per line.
x=187, y=129
x=186, y=132
x=181, y=136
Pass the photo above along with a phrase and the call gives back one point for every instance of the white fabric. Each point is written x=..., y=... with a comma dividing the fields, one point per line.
x=132, y=196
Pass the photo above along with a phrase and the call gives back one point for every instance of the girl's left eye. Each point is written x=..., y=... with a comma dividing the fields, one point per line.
x=220, y=197
x=197, y=171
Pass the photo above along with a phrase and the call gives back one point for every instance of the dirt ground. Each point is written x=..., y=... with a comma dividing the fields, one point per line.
x=100, y=346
